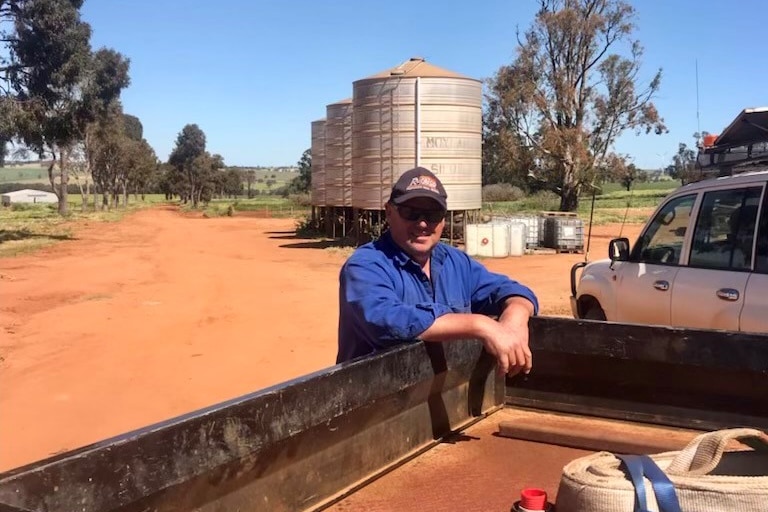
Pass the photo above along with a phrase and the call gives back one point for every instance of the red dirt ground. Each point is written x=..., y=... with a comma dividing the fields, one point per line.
x=160, y=314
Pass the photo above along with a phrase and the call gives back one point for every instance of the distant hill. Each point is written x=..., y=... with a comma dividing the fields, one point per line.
x=286, y=168
x=268, y=178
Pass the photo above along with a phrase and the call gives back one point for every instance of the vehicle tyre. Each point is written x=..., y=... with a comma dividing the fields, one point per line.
x=594, y=312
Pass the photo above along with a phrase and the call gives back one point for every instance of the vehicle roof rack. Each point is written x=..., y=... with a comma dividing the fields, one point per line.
x=741, y=147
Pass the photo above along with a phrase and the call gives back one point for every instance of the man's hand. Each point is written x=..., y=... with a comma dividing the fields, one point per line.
x=506, y=339
x=509, y=345
x=514, y=320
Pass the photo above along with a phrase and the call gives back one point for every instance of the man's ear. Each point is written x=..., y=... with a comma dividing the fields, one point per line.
x=388, y=210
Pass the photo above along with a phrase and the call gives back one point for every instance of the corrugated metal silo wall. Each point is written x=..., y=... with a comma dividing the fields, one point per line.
x=383, y=137
x=338, y=154
x=317, y=191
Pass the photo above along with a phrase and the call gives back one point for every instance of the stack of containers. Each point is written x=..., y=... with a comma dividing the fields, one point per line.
x=564, y=233
x=533, y=229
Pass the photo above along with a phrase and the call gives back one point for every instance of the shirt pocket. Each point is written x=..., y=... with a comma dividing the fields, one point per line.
x=460, y=306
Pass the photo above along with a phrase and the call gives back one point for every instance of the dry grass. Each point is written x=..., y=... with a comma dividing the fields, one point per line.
x=30, y=227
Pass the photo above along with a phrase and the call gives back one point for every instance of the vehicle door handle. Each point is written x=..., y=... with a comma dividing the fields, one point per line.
x=661, y=285
x=728, y=294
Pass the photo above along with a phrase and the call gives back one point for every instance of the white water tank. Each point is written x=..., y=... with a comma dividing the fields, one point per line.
x=487, y=240
x=517, y=238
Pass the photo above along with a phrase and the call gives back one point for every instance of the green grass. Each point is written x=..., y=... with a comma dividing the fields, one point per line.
x=281, y=179
x=648, y=185
x=24, y=174
x=614, y=204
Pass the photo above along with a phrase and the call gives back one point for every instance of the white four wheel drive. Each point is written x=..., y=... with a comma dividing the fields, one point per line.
x=701, y=261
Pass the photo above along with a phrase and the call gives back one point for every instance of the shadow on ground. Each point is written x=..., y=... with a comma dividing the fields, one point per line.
x=13, y=235
x=317, y=244
x=312, y=242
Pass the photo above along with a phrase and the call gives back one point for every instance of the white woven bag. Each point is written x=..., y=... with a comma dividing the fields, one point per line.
x=706, y=477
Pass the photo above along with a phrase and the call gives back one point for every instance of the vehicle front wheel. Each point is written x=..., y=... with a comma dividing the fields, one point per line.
x=594, y=312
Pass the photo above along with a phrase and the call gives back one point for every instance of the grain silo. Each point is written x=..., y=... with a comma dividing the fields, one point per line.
x=317, y=150
x=417, y=114
x=338, y=166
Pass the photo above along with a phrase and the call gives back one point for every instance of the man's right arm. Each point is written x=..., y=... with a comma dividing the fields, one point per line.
x=508, y=347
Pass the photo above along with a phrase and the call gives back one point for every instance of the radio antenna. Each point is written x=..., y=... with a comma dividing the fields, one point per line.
x=698, y=120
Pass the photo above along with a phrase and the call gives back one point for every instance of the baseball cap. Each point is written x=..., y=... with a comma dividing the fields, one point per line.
x=418, y=182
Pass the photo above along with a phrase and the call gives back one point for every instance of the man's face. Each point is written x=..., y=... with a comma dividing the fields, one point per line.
x=416, y=237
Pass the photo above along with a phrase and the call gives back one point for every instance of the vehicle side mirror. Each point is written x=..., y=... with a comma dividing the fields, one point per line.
x=618, y=249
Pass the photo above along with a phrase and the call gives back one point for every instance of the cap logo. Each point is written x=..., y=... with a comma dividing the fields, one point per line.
x=423, y=183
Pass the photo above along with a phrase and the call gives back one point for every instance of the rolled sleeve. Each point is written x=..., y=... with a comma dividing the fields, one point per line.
x=491, y=290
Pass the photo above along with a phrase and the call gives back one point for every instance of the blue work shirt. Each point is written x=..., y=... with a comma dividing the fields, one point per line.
x=385, y=298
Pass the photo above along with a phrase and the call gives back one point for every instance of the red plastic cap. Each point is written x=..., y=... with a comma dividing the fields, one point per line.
x=533, y=499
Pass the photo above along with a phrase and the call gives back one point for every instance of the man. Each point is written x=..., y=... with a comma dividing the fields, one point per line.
x=408, y=286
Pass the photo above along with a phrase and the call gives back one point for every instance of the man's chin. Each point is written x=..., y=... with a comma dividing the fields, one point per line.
x=421, y=245
x=420, y=241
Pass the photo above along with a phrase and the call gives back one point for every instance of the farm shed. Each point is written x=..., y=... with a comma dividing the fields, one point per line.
x=28, y=196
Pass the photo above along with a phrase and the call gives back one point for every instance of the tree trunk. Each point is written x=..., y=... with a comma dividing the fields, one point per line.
x=569, y=195
x=63, y=194
x=50, y=175
x=82, y=194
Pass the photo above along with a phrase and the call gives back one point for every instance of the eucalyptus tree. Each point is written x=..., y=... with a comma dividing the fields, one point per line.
x=192, y=162
x=51, y=85
x=303, y=182
x=574, y=86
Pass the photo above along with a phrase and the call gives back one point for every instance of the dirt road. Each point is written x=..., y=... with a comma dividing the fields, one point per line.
x=160, y=314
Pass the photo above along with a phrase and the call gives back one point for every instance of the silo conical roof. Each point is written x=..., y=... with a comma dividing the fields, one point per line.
x=416, y=67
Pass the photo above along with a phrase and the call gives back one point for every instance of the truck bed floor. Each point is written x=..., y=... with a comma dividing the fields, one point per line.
x=481, y=470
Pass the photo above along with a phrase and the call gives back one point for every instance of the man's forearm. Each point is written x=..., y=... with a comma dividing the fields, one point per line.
x=517, y=310
x=457, y=326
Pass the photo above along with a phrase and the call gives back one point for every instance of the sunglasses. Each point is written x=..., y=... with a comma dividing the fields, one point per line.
x=416, y=214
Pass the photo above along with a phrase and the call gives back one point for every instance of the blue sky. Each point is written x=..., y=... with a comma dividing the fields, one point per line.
x=254, y=74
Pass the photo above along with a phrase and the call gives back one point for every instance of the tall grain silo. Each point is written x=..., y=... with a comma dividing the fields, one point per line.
x=416, y=114
x=317, y=150
x=338, y=153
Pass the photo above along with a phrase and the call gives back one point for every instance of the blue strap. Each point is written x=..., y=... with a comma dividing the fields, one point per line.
x=635, y=469
x=662, y=486
x=639, y=466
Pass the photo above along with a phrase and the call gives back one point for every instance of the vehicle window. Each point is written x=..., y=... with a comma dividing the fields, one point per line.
x=725, y=229
x=761, y=260
x=662, y=241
